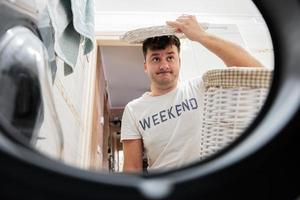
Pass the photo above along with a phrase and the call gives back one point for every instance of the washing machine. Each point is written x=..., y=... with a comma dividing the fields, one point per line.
x=263, y=164
x=21, y=57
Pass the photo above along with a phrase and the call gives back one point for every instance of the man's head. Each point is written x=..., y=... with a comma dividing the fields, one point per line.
x=162, y=62
x=159, y=43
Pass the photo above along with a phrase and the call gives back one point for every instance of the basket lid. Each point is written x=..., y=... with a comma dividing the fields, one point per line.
x=137, y=36
x=255, y=77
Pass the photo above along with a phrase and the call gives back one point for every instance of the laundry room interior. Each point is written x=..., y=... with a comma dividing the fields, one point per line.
x=93, y=73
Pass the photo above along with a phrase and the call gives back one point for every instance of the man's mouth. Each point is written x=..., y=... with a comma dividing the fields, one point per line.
x=165, y=72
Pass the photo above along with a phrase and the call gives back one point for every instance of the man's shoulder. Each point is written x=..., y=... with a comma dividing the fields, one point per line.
x=136, y=101
x=194, y=81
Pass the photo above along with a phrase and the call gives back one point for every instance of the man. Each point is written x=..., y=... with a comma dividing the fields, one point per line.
x=165, y=121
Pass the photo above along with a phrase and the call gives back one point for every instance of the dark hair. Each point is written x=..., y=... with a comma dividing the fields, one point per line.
x=160, y=42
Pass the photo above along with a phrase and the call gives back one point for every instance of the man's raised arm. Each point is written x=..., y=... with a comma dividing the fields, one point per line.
x=231, y=53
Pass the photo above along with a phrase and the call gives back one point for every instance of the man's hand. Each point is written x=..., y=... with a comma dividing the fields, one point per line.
x=188, y=25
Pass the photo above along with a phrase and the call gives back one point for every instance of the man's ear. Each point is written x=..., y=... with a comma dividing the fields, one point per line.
x=145, y=67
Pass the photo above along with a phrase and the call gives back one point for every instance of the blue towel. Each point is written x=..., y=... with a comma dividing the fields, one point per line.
x=47, y=34
x=72, y=21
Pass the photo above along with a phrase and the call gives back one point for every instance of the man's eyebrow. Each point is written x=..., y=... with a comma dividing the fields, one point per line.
x=157, y=54
x=171, y=52
x=154, y=54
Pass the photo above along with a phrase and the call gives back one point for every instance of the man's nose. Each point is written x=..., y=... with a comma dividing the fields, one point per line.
x=164, y=65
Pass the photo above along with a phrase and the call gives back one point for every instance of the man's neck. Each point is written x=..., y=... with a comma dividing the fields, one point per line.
x=158, y=91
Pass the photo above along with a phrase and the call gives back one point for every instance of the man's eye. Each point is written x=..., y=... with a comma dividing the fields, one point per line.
x=170, y=58
x=155, y=59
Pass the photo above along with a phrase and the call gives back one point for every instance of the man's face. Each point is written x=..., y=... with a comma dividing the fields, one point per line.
x=162, y=66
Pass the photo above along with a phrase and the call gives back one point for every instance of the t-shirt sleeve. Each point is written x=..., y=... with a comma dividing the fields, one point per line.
x=197, y=84
x=129, y=130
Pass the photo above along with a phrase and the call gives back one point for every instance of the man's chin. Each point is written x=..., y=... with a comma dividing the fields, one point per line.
x=165, y=82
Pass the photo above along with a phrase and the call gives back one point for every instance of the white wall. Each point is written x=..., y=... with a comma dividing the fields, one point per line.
x=255, y=38
x=178, y=6
x=125, y=15
x=73, y=102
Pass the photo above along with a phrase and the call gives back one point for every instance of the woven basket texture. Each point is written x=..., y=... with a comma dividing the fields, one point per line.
x=232, y=99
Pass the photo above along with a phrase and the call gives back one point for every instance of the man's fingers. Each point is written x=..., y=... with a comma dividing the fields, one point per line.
x=182, y=23
x=182, y=20
x=174, y=24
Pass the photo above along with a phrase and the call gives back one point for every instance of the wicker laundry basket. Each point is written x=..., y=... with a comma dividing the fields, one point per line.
x=232, y=99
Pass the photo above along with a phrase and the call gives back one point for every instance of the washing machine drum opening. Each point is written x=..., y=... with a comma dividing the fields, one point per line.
x=20, y=94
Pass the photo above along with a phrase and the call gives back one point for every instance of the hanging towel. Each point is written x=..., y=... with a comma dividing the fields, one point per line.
x=47, y=35
x=72, y=21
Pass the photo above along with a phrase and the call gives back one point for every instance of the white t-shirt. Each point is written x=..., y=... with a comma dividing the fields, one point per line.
x=169, y=125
